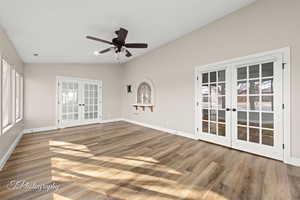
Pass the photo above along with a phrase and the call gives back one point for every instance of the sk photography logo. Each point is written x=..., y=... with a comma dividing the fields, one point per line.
x=24, y=185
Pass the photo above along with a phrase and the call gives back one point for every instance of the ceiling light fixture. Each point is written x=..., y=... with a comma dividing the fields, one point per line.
x=96, y=53
x=119, y=44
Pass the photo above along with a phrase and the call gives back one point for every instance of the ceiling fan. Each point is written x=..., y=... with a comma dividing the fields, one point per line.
x=119, y=44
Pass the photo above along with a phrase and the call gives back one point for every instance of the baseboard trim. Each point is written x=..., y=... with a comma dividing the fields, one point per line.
x=41, y=129
x=171, y=131
x=10, y=150
x=111, y=120
x=293, y=161
x=52, y=128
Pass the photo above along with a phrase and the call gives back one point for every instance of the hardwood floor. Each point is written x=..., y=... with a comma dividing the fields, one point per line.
x=119, y=160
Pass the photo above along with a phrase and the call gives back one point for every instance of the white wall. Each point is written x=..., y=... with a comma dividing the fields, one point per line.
x=8, y=52
x=262, y=26
x=40, y=89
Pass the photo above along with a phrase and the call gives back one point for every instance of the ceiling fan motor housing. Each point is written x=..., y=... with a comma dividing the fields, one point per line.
x=119, y=43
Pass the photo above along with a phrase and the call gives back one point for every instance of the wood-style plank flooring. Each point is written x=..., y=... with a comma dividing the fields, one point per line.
x=119, y=160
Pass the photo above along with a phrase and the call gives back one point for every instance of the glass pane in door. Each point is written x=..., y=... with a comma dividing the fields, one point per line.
x=255, y=104
x=69, y=101
x=213, y=102
x=91, y=101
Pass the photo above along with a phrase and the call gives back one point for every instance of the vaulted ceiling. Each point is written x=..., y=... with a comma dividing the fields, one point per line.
x=56, y=29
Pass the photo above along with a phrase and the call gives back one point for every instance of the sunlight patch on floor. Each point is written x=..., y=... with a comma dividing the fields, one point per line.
x=143, y=158
x=70, y=152
x=60, y=197
x=120, y=175
x=69, y=145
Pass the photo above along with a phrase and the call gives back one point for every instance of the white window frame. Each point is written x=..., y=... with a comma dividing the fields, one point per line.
x=13, y=95
x=13, y=116
x=11, y=104
x=21, y=97
x=18, y=93
x=1, y=63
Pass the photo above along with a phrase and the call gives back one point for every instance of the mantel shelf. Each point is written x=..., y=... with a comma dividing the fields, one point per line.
x=143, y=106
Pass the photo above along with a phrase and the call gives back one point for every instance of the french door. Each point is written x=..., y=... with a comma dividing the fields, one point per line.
x=214, y=99
x=240, y=105
x=257, y=98
x=79, y=101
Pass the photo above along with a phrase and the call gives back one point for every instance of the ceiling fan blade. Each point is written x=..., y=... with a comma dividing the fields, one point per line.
x=99, y=40
x=106, y=50
x=136, y=45
x=128, y=54
x=122, y=34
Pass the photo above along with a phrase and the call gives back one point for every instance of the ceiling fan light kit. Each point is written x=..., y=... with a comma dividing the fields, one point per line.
x=119, y=44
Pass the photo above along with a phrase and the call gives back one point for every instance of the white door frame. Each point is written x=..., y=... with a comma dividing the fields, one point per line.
x=285, y=52
x=57, y=117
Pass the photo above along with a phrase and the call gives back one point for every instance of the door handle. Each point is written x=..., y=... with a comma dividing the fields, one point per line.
x=228, y=109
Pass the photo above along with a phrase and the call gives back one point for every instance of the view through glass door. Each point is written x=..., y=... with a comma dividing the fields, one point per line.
x=240, y=105
x=91, y=101
x=214, y=99
x=69, y=102
x=79, y=101
x=257, y=96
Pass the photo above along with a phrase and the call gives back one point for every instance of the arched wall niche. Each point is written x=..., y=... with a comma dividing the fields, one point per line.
x=144, y=94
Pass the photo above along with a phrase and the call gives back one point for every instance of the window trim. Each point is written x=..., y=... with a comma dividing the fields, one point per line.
x=13, y=117
x=21, y=97
x=13, y=95
x=18, y=79
x=1, y=63
x=10, y=113
x=7, y=128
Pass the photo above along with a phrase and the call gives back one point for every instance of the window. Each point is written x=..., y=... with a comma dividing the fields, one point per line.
x=18, y=96
x=21, y=96
x=6, y=95
x=144, y=94
x=12, y=96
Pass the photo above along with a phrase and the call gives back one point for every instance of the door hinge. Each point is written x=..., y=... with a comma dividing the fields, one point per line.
x=58, y=84
x=58, y=121
x=197, y=103
x=197, y=129
x=197, y=78
x=283, y=106
x=282, y=146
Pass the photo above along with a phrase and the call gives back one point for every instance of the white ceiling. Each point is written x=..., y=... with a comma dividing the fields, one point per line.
x=56, y=29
